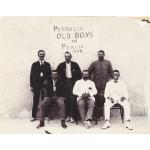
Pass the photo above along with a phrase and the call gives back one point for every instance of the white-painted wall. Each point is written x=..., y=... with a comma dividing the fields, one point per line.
x=124, y=40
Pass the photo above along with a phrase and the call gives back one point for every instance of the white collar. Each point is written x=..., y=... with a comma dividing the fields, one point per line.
x=41, y=61
x=54, y=80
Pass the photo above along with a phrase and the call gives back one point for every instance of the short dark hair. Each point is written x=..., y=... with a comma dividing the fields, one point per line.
x=101, y=51
x=41, y=51
x=116, y=71
x=67, y=52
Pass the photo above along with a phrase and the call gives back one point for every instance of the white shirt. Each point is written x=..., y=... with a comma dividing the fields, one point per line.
x=82, y=86
x=68, y=70
x=41, y=62
x=116, y=90
x=54, y=85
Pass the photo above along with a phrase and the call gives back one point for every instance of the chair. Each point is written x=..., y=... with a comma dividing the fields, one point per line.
x=97, y=109
x=118, y=106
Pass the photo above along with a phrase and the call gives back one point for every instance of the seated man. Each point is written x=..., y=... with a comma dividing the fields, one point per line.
x=52, y=92
x=116, y=92
x=85, y=90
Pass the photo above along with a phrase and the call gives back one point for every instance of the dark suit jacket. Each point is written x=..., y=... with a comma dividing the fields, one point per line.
x=48, y=91
x=36, y=69
x=75, y=70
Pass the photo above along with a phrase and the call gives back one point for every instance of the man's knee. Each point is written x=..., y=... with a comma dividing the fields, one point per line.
x=61, y=103
x=81, y=103
x=91, y=103
x=46, y=101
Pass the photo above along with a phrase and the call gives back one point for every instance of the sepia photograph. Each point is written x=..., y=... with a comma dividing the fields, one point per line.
x=74, y=75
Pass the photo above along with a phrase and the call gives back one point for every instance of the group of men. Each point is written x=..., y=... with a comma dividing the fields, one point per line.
x=68, y=88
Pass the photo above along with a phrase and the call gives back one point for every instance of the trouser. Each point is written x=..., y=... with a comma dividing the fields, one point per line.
x=84, y=104
x=46, y=103
x=125, y=104
x=70, y=104
x=99, y=104
x=36, y=96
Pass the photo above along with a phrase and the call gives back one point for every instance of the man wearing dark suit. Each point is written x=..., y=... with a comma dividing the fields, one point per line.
x=40, y=71
x=69, y=72
x=52, y=93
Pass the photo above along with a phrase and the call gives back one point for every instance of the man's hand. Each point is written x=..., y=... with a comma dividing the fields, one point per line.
x=62, y=98
x=85, y=95
x=111, y=99
x=122, y=99
x=46, y=98
x=32, y=89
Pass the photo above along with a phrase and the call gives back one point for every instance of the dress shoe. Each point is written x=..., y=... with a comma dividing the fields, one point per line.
x=128, y=125
x=87, y=124
x=68, y=119
x=72, y=120
x=63, y=124
x=40, y=125
x=34, y=119
x=106, y=125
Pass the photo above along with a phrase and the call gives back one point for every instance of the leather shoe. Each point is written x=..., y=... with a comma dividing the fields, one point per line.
x=34, y=119
x=128, y=125
x=106, y=125
x=40, y=125
x=87, y=124
x=63, y=124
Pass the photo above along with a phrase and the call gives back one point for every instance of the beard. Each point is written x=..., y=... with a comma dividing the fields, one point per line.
x=101, y=58
x=85, y=78
x=68, y=60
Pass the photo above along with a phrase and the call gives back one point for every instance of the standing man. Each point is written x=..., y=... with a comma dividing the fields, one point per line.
x=69, y=72
x=100, y=72
x=52, y=93
x=116, y=92
x=40, y=71
x=85, y=90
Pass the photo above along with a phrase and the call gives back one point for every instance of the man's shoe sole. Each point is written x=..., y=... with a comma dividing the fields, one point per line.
x=106, y=127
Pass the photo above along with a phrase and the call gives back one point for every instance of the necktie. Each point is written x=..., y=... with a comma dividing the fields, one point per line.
x=41, y=74
x=54, y=86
